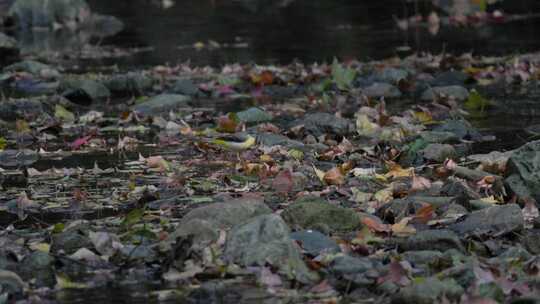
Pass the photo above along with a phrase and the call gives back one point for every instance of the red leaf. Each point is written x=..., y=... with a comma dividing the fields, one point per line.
x=375, y=225
x=76, y=145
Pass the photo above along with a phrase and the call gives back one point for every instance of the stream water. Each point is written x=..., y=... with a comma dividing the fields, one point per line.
x=310, y=31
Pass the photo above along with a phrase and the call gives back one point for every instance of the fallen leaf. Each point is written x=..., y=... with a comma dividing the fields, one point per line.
x=402, y=229
x=283, y=182
x=420, y=183
x=375, y=225
x=334, y=177
x=396, y=171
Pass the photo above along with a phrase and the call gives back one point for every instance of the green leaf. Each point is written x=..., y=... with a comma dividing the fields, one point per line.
x=63, y=114
x=132, y=218
x=476, y=103
x=58, y=227
x=3, y=143
x=343, y=77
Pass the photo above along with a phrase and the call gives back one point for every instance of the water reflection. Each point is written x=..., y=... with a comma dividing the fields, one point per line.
x=280, y=31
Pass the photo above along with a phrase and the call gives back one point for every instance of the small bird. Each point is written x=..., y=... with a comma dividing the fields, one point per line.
x=235, y=143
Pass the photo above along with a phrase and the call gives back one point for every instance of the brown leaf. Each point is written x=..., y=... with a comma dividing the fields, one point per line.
x=398, y=273
x=425, y=214
x=334, y=177
x=402, y=228
x=227, y=124
x=375, y=225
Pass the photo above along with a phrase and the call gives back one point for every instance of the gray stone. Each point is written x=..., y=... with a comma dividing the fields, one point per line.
x=458, y=92
x=380, y=89
x=254, y=116
x=431, y=290
x=185, y=87
x=314, y=242
x=439, y=152
x=461, y=128
x=523, y=166
x=495, y=220
x=450, y=78
x=362, y=271
x=313, y=213
x=39, y=266
x=70, y=241
x=422, y=257
x=162, y=104
x=439, y=240
x=322, y=123
x=265, y=239
x=204, y=222
x=392, y=75
x=272, y=139
x=439, y=137
x=129, y=84
x=85, y=91
x=10, y=282
x=33, y=67
x=7, y=43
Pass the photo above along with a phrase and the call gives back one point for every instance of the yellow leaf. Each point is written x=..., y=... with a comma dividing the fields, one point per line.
x=319, y=173
x=44, y=247
x=235, y=146
x=397, y=171
x=384, y=196
x=402, y=228
x=63, y=282
x=490, y=200
x=334, y=177
x=424, y=118
x=365, y=127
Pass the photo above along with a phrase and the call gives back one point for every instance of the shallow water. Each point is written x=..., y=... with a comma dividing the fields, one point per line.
x=310, y=31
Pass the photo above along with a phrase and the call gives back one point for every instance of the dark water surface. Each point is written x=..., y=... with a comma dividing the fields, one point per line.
x=311, y=31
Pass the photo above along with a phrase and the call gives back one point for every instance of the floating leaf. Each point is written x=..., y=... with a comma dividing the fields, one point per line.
x=476, y=103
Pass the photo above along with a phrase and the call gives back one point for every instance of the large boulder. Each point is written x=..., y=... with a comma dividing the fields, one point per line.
x=314, y=213
x=523, y=168
x=266, y=240
x=205, y=222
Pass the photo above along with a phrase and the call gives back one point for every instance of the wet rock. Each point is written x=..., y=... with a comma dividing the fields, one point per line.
x=523, y=166
x=380, y=89
x=439, y=240
x=35, y=13
x=461, y=128
x=322, y=123
x=162, y=104
x=10, y=110
x=185, y=87
x=129, y=84
x=439, y=137
x=314, y=213
x=450, y=78
x=392, y=75
x=35, y=68
x=272, y=139
x=495, y=220
x=17, y=158
x=439, y=152
x=85, y=91
x=458, y=92
x=70, y=241
x=11, y=283
x=204, y=222
x=314, y=242
x=362, y=271
x=254, y=116
x=430, y=290
x=266, y=239
x=422, y=257
x=530, y=241
x=39, y=266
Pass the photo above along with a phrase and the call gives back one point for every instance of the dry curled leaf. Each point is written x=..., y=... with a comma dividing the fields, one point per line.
x=402, y=228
